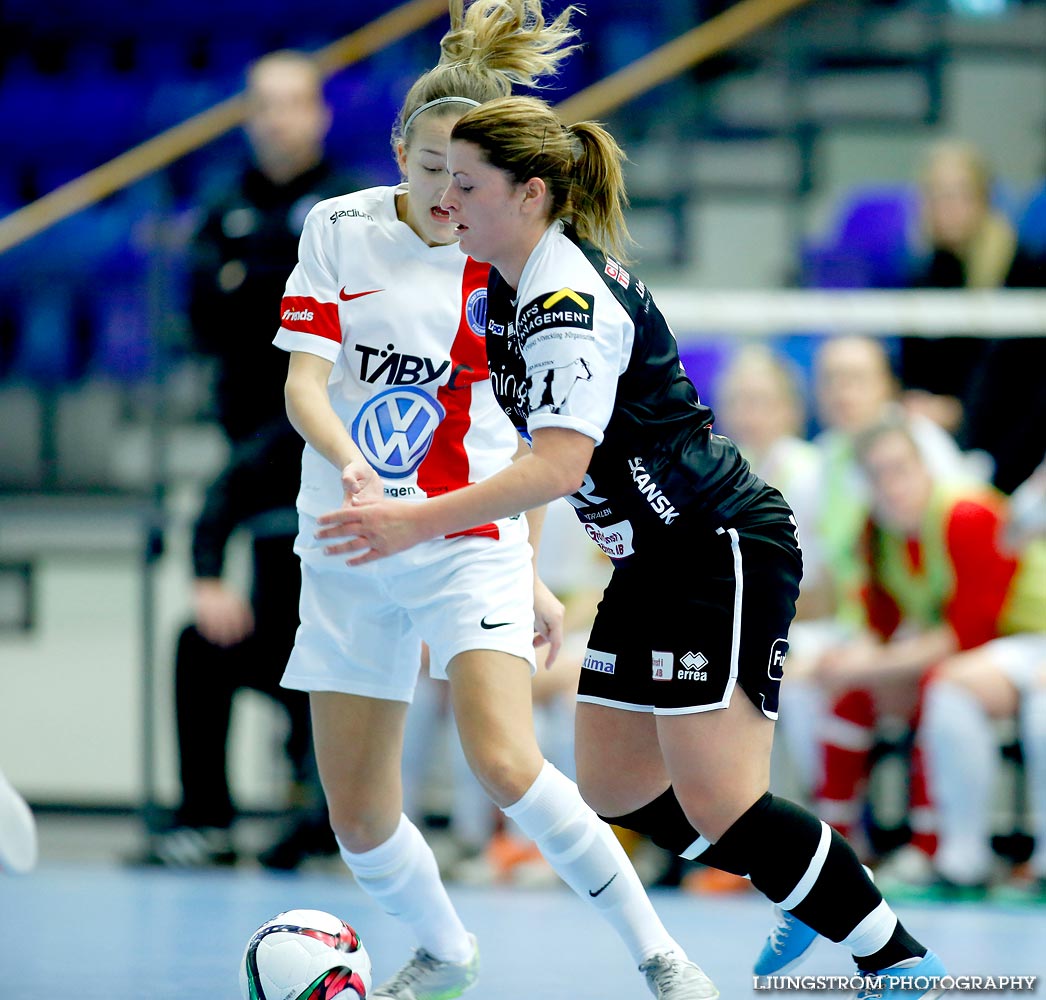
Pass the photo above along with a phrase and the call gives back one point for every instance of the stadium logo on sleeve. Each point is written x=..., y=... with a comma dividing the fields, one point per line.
x=476, y=311
x=565, y=308
x=350, y=213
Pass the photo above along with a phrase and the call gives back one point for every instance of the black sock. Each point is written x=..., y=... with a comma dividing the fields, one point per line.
x=775, y=843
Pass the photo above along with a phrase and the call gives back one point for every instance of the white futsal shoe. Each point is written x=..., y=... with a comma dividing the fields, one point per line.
x=426, y=977
x=671, y=977
x=18, y=847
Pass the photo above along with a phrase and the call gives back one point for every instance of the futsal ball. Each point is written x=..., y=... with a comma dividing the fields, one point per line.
x=305, y=955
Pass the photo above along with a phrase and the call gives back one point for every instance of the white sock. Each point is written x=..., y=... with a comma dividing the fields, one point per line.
x=961, y=753
x=1033, y=741
x=872, y=933
x=587, y=855
x=401, y=875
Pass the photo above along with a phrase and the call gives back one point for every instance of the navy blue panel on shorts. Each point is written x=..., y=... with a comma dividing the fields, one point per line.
x=674, y=635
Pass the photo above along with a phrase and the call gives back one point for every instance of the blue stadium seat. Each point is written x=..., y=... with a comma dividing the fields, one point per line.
x=26, y=100
x=46, y=351
x=365, y=102
x=1031, y=225
x=871, y=244
x=124, y=343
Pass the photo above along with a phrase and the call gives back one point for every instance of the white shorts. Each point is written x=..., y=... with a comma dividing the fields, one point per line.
x=1022, y=658
x=362, y=627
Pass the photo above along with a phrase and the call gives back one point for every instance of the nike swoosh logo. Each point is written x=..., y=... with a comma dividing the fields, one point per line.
x=483, y=623
x=356, y=295
x=603, y=886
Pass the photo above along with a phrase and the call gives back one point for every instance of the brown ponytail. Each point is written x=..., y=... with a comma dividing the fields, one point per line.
x=581, y=164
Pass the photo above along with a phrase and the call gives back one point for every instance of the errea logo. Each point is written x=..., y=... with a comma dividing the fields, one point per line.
x=691, y=667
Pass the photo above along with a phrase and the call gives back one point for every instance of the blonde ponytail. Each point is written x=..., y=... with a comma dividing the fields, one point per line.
x=491, y=47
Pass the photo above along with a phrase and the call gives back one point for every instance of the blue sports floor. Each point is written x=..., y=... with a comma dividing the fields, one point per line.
x=81, y=932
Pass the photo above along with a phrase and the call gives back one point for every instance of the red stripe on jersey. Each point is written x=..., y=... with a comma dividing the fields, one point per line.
x=446, y=466
x=304, y=314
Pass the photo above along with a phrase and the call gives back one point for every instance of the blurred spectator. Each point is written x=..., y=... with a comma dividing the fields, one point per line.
x=18, y=844
x=235, y=644
x=247, y=242
x=1028, y=509
x=986, y=392
x=935, y=582
x=970, y=693
x=242, y=253
x=855, y=388
x=968, y=244
x=760, y=404
x=1007, y=406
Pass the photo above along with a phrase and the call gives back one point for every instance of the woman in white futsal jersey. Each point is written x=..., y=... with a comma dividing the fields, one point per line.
x=388, y=383
x=679, y=696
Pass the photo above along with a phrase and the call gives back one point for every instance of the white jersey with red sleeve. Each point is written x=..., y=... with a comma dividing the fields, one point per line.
x=404, y=324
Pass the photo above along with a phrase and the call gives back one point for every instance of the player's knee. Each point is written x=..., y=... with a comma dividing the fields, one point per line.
x=605, y=790
x=359, y=828
x=975, y=682
x=506, y=772
x=597, y=795
x=662, y=820
x=959, y=670
x=713, y=804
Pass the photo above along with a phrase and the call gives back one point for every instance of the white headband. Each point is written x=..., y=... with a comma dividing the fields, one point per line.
x=431, y=104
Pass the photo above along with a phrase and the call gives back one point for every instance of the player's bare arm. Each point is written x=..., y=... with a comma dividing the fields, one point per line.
x=549, y=611
x=309, y=410
x=554, y=468
x=868, y=662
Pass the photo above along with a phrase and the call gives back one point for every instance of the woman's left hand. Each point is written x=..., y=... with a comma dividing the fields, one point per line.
x=548, y=621
x=371, y=529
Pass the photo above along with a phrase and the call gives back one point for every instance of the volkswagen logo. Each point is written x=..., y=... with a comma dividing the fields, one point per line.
x=394, y=430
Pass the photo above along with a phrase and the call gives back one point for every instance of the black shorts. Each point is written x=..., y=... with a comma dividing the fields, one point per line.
x=674, y=634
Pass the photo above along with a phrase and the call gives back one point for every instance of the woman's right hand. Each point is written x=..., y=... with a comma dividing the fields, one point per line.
x=358, y=479
x=223, y=617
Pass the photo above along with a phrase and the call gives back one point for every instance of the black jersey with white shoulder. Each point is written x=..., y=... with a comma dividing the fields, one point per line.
x=582, y=345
